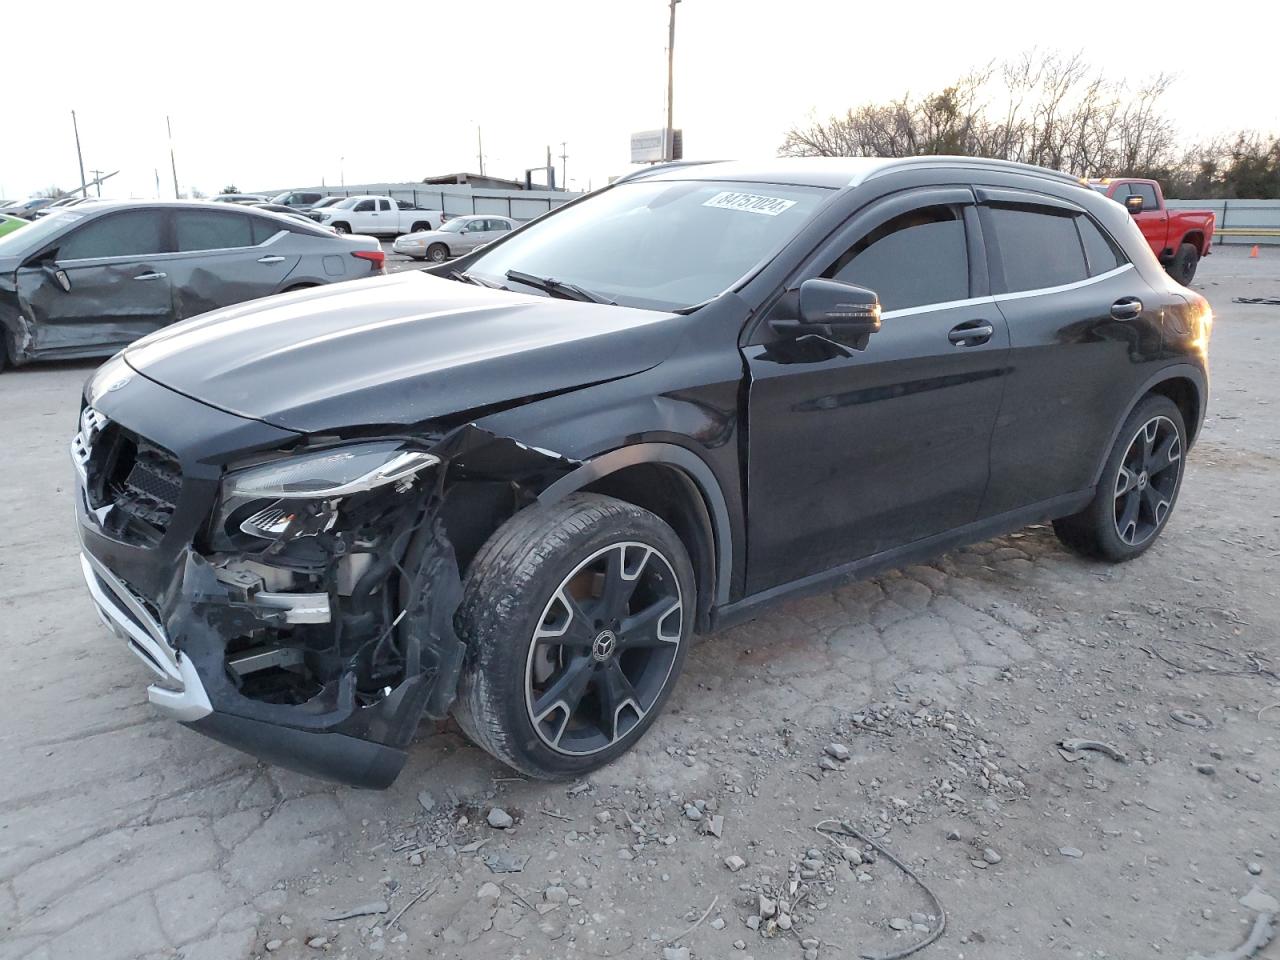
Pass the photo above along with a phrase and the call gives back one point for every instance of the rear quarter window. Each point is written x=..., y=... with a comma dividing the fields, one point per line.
x=1100, y=251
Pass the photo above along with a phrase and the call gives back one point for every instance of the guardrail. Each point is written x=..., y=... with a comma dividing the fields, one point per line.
x=1240, y=222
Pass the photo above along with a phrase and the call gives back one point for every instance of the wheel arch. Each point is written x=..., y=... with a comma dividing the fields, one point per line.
x=1196, y=239
x=677, y=485
x=1185, y=384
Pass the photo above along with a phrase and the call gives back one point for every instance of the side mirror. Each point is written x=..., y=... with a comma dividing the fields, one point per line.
x=834, y=310
x=1133, y=203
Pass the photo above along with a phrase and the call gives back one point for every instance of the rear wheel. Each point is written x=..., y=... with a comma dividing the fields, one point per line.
x=1183, y=265
x=420, y=227
x=437, y=253
x=1138, y=488
x=577, y=619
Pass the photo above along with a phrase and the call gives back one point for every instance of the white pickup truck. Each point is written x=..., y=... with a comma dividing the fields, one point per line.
x=376, y=215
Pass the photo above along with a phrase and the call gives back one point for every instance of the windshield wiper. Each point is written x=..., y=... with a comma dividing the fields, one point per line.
x=463, y=277
x=558, y=288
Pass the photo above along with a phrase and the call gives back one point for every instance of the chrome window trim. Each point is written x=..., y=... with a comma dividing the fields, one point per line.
x=999, y=297
x=1061, y=288
x=932, y=307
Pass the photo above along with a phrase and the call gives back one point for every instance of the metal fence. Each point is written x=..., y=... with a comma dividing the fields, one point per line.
x=457, y=199
x=1239, y=221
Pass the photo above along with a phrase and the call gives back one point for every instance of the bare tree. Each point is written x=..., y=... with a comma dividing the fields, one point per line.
x=1044, y=108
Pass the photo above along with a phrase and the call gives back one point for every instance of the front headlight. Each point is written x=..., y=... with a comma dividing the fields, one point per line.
x=326, y=474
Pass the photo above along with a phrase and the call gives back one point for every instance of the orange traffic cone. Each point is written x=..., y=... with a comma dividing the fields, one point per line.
x=1253, y=254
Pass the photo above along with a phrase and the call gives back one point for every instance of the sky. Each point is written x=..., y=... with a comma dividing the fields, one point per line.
x=280, y=94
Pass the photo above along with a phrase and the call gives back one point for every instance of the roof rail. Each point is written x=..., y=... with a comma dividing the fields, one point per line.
x=989, y=163
x=659, y=168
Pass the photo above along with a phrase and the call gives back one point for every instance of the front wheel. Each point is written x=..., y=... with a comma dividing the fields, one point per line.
x=577, y=619
x=341, y=229
x=437, y=253
x=1138, y=488
x=1183, y=265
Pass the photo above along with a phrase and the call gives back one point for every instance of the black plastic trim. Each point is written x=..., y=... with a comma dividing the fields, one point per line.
x=331, y=756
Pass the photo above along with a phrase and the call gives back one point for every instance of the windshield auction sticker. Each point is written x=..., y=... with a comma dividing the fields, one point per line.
x=750, y=203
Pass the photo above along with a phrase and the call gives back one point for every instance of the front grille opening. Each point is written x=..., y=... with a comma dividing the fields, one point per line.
x=141, y=479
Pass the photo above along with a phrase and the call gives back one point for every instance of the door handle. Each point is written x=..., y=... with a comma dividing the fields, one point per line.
x=972, y=333
x=270, y=259
x=1126, y=308
x=151, y=276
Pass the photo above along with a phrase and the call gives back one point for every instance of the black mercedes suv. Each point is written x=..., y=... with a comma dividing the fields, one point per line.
x=512, y=487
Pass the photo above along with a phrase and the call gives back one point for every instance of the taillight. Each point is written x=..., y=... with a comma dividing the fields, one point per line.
x=377, y=257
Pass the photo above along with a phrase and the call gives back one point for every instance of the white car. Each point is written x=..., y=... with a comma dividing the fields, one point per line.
x=373, y=214
x=460, y=235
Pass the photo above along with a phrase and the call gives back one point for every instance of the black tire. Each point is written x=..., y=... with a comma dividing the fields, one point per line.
x=420, y=227
x=342, y=228
x=512, y=592
x=4, y=352
x=1183, y=265
x=437, y=253
x=1138, y=488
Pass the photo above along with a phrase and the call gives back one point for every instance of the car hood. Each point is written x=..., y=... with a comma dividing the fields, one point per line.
x=397, y=350
x=423, y=235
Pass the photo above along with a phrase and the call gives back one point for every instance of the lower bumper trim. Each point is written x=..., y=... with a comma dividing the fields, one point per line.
x=330, y=756
x=182, y=695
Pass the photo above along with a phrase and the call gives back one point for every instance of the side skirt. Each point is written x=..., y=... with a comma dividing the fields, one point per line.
x=749, y=607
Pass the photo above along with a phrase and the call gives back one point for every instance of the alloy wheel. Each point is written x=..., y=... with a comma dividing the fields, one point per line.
x=1147, y=480
x=603, y=649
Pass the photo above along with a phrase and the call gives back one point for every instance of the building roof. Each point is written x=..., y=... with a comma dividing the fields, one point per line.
x=483, y=178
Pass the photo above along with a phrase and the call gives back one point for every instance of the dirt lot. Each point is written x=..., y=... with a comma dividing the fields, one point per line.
x=949, y=685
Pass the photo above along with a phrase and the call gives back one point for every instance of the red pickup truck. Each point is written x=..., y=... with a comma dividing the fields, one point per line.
x=1178, y=237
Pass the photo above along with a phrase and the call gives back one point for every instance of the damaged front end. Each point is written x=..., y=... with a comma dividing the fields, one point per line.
x=306, y=615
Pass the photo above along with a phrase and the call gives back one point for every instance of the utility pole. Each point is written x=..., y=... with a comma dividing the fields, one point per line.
x=84, y=190
x=564, y=167
x=172, y=162
x=342, y=173
x=97, y=179
x=480, y=150
x=671, y=60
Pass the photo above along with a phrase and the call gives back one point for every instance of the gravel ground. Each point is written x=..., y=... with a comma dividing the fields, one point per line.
x=923, y=708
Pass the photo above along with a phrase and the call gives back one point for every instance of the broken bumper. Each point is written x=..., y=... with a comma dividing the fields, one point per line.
x=166, y=602
x=178, y=694
x=363, y=747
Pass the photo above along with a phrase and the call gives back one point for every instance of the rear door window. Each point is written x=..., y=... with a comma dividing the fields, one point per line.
x=129, y=233
x=1039, y=247
x=211, y=230
x=917, y=258
x=264, y=229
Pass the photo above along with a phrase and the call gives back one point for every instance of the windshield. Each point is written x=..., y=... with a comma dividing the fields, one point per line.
x=27, y=239
x=454, y=226
x=347, y=204
x=662, y=245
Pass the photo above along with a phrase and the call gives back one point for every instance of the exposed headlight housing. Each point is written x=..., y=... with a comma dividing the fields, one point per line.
x=326, y=474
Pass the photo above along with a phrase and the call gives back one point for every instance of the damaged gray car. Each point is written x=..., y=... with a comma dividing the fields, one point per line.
x=512, y=487
x=91, y=278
